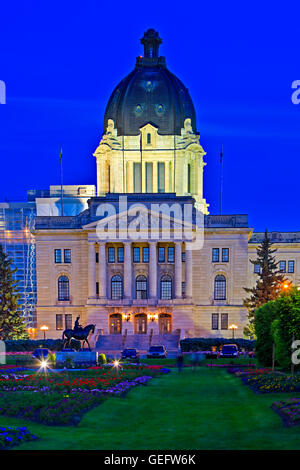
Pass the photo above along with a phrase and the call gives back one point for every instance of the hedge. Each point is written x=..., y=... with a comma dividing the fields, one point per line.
x=206, y=344
x=23, y=345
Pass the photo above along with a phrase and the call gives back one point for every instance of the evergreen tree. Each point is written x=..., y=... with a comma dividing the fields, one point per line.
x=268, y=285
x=11, y=323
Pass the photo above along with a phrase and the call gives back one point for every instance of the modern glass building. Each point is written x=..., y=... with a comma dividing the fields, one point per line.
x=17, y=221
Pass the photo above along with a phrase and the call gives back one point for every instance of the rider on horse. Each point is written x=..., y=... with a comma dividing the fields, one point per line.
x=77, y=326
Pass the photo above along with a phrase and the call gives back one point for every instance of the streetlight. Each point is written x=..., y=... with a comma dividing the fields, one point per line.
x=44, y=328
x=233, y=327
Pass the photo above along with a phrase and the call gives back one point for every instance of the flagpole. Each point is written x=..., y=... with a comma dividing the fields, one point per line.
x=221, y=182
x=61, y=182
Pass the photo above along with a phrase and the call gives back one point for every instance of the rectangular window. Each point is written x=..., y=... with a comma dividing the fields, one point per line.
x=97, y=288
x=120, y=254
x=291, y=266
x=68, y=321
x=215, y=255
x=183, y=256
x=257, y=268
x=57, y=256
x=137, y=178
x=225, y=255
x=67, y=255
x=161, y=254
x=145, y=254
x=111, y=254
x=171, y=254
x=282, y=266
x=183, y=288
x=59, y=321
x=136, y=254
x=224, y=321
x=149, y=177
x=97, y=257
x=215, y=321
x=160, y=177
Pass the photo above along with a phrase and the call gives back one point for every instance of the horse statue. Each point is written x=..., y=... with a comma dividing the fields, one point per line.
x=79, y=334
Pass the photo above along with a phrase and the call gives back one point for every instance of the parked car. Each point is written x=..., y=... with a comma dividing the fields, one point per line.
x=229, y=350
x=41, y=353
x=157, y=351
x=130, y=353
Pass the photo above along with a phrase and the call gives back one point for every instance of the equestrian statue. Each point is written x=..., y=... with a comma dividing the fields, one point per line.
x=78, y=333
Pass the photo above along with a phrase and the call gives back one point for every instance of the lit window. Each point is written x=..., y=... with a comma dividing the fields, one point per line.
x=59, y=321
x=63, y=288
x=282, y=266
x=116, y=288
x=215, y=255
x=141, y=287
x=215, y=321
x=68, y=321
x=220, y=287
x=291, y=266
x=166, y=287
x=224, y=321
x=57, y=256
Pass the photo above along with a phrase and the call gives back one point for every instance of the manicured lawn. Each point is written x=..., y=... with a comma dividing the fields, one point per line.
x=201, y=409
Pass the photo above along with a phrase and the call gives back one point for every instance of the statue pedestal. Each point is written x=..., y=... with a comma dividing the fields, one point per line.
x=77, y=357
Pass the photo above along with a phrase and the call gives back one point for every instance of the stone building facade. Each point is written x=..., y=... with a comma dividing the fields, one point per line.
x=159, y=264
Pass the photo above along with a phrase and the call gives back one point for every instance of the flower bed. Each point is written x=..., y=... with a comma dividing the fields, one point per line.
x=61, y=399
x=10, y=437
x=288, y=410
x=272, y=383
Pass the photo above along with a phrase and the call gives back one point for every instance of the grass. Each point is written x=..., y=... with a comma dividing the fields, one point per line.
x=201, y=409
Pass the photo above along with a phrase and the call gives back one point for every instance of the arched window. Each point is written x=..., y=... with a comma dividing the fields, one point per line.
x=220, y=287
x=116, y=287
x=166, y=287
x=63, y=288
x=141, y=287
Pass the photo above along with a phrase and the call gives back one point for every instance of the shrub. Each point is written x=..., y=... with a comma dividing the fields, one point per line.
x=264, y=316
x=102, y=359
x=205, y=344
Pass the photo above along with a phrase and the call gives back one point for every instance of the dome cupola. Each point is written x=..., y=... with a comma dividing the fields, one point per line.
x=150, y=94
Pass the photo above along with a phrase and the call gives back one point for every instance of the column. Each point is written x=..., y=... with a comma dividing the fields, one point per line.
x=188, y=273
x=102, y=271
x=127, y=270
x=154, y=177
x=152, y=271
x=178, y=271
x=92, y=271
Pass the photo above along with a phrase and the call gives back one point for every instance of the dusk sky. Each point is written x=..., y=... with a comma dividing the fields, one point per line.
x=60, y=62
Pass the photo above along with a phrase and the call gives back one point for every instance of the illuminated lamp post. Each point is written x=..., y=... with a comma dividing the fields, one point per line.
x=233, y=327
x=44, y=328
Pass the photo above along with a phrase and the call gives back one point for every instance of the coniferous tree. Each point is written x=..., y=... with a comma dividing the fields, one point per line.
x=269, y=282
x=11, y=323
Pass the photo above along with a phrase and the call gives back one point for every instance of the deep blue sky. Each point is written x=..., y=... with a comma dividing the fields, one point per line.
x=61, y=60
